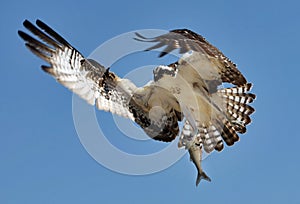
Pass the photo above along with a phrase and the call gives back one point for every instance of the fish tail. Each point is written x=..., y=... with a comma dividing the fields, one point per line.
x=200, y=176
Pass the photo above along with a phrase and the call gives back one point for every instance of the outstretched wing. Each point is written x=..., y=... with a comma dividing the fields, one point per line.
x=97, y=85
x=85, y=77
x=186, y=40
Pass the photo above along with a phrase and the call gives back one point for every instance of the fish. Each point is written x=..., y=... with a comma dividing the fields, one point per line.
x=195, y=152
x=190, y=139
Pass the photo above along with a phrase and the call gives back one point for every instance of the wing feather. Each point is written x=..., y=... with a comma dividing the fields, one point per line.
x=94, y=83
x=85, y=77
x=186, y=40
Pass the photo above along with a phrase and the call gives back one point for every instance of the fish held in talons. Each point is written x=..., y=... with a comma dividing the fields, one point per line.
x=195, y=152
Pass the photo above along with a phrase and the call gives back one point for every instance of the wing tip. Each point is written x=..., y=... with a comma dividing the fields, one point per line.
x=26, y=22
x=22, y=34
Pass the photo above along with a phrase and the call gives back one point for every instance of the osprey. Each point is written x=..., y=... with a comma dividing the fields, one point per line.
x=189, y=90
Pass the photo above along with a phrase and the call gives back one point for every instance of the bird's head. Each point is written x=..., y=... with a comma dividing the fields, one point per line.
x=161, y=71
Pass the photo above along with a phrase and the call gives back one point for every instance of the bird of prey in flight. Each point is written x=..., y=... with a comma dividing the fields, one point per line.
x=188, y=90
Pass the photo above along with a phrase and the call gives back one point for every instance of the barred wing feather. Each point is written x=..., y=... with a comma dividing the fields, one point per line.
x=85, y=77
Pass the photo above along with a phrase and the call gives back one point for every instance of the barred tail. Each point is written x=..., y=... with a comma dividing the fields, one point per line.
x=236, y=101
x=233, y=117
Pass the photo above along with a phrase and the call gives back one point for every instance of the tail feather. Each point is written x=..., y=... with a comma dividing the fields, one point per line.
x=236, y=100
x=245, y=98
x=228, y=132
x=235, y=104
x=211, y=137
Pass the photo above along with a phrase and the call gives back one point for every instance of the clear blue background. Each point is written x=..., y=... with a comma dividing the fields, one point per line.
x=42, y=160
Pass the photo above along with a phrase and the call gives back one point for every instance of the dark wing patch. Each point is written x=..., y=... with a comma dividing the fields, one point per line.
x=166, y=129
x=186, y=40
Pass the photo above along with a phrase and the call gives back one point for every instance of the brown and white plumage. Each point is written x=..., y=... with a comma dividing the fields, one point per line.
x=217, y=112
x=213, y=115
x=84, y=77
x=186, y=40
x=187, y=89
x=100, y=87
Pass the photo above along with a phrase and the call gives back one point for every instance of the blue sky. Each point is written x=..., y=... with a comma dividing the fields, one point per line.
x=42, y=159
